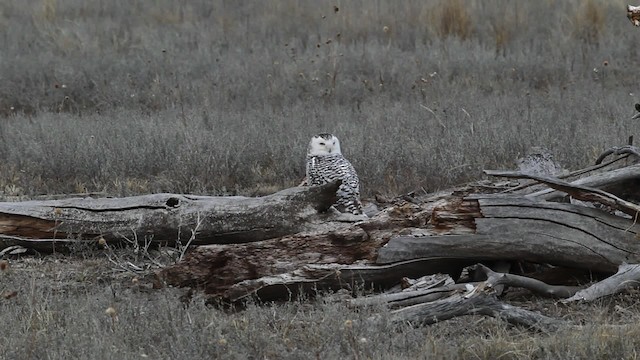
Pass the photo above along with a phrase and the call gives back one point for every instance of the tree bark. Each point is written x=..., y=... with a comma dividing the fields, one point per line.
x=460, y=232
x=487, y=227
x=628, y=276
x=476, y=302
x=587, y=193
x=165, y=218
x=616, y=181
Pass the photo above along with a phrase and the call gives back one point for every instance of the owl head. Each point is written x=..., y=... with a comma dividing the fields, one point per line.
x=324, y=144
x=633, y=13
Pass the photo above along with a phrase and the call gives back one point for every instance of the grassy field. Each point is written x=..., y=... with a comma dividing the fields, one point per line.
x=130, y=97
x=221, y=97
x=88, y=307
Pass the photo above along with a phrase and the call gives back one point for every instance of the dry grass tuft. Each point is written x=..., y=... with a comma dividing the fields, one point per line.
x=48, y=10
x=452, y=18
x=590, y=21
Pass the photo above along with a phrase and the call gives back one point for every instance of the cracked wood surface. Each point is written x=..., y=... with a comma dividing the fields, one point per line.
x=476, y=302
x=582, y=192
x=163, y=218
x=614, y=181
x=516, y=228
x=628, y=276
x=271, y=244
x=218, y=268
x=460, y=231
x=338, y=276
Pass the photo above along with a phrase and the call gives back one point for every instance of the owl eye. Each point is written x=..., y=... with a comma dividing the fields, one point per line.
x=322, y=144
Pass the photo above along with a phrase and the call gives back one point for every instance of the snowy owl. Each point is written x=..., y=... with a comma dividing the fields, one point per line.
x=325, y=163
x=633, y=13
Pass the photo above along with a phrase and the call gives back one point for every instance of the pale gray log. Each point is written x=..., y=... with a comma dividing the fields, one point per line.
x=514, y=228
x=579, y=192
x=337, y=276
x=495, y=279
x=163, y=218
x=605, y=180
x=476, y=303
x=409, y=298
x=628, y=276
x=531, y=186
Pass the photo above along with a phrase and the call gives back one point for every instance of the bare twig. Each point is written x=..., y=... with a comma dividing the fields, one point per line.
x=183, y=249
x=571, y=174
x=622, y=150
x=579, y=192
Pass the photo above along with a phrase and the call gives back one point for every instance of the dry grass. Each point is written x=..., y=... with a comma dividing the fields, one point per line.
x=85, y=306
x=192, y=98
x=453, y=19
x=590, y=22
x=220, y=97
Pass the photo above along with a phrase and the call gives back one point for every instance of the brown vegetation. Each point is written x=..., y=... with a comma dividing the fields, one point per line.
x=127, y=97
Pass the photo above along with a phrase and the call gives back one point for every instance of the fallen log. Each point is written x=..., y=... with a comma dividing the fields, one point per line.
x=582, y=192
x=489, y=227
x=262, y=238
x=165, y=218
x=616, y=181
x=477, y=301
x=336, y=276
x=274, y=246
x=217, y=268
x=628, y=276
x=460, y=230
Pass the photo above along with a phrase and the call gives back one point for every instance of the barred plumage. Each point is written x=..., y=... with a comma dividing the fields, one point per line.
x=325, y=163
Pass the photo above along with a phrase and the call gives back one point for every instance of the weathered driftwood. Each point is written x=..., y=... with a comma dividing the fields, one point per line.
x=410, y=297
x=335, y=276
x=460, y=231
x=438, y=303
x=578, y=191
x=619, y=150
x=617, y=181
x=628, y=276
x=164, y=218
x=495, y=279
x=477, y=301
x=217, y=268
x=486, y=227
x=533, y=186
x=277, y=245
x=431, y=305
x=443, y=290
